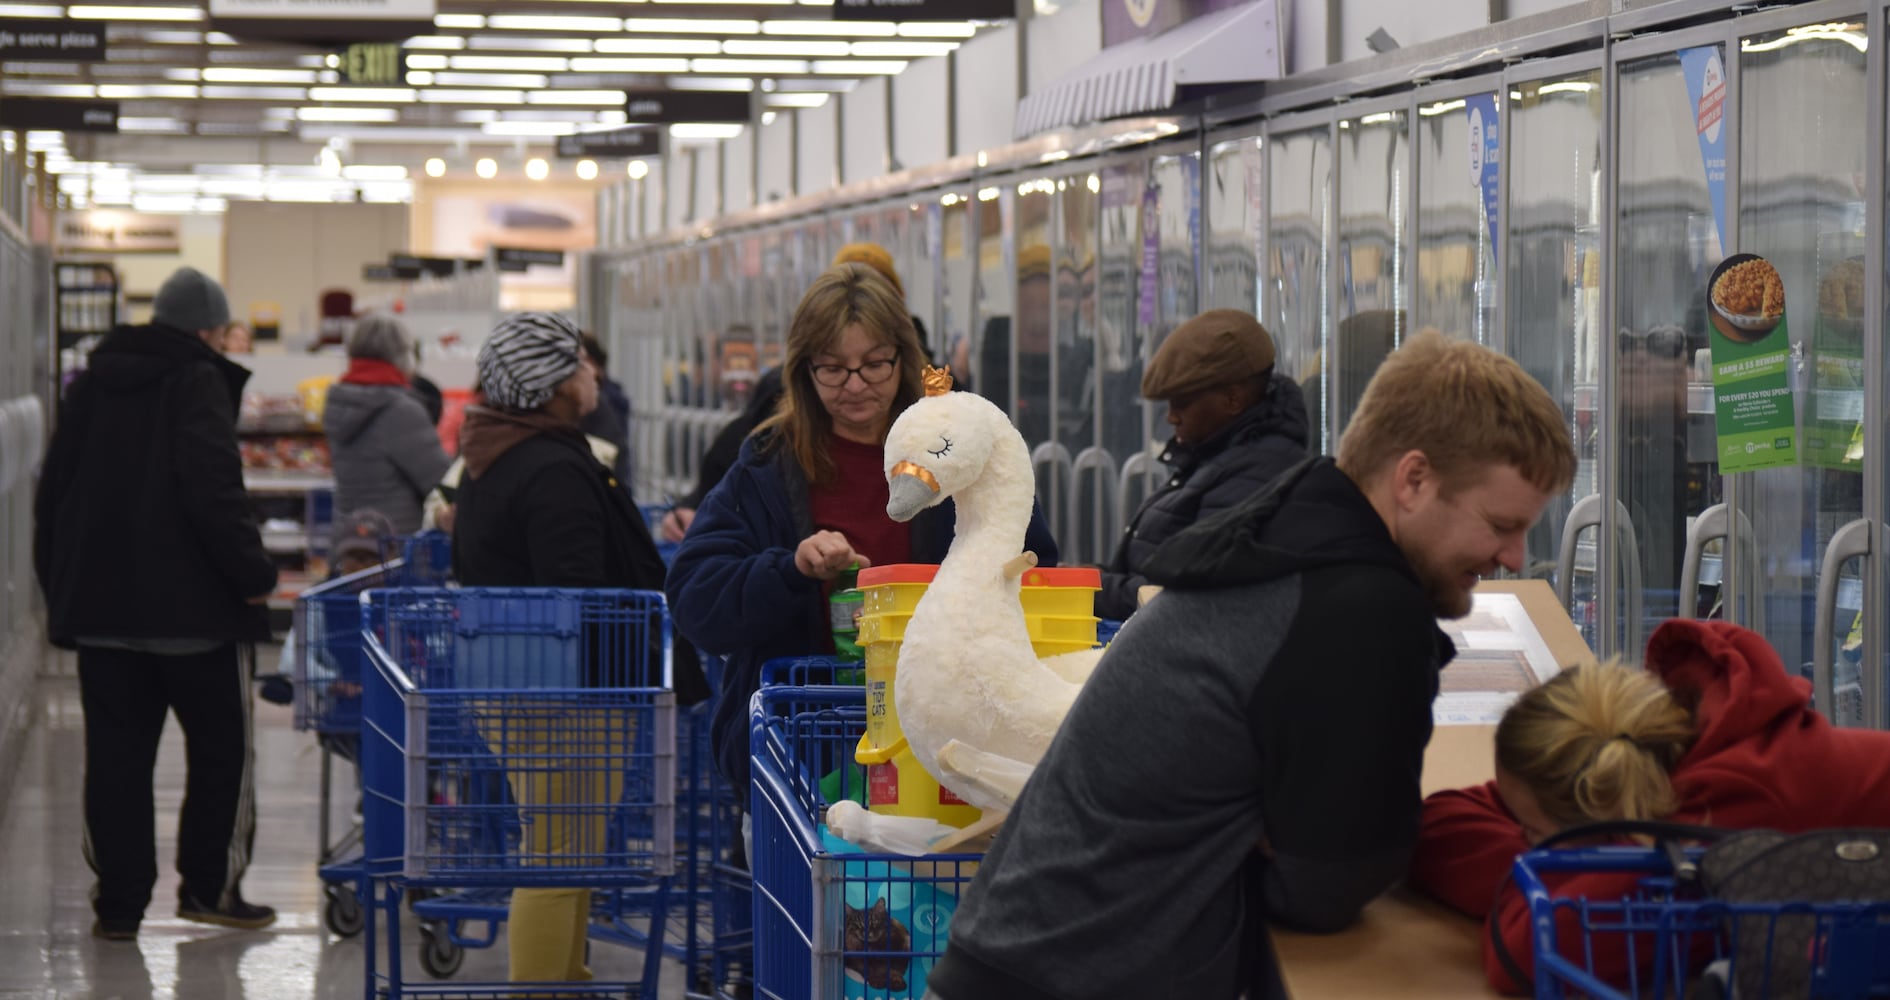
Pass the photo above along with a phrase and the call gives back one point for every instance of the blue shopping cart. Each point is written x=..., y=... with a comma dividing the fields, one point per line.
x=517, y=738
x=831, y=923
x=325, y=668
x=1669, y=940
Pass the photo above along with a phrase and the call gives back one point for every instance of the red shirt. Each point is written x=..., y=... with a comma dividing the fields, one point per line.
x=854, y=504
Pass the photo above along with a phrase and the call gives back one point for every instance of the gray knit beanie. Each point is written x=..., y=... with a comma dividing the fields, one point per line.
x=527, y=357
x=189, y=301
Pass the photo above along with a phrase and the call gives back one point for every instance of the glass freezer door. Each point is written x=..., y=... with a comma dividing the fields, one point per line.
x=1667, y=243
x=1802, y=155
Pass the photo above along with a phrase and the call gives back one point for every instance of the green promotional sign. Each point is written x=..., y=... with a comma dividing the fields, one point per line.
x=1752, y=393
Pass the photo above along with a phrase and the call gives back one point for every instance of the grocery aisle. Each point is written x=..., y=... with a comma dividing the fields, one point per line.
x=46, y=948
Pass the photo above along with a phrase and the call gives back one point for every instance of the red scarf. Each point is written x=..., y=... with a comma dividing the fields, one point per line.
x=373, y=371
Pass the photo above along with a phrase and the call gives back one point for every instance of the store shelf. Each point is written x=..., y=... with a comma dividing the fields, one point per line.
x=262, y=481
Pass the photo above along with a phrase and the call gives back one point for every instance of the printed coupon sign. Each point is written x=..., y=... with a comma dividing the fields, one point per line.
x=1486, y=156
x=1706, y=85
x=1752, y=393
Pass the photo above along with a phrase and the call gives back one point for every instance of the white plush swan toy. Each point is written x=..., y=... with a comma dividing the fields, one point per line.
x=977, y=705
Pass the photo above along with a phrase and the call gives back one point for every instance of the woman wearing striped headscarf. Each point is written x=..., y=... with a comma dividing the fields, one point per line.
x=536, y=509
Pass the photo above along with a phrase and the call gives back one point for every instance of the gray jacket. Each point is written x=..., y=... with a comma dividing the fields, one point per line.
x=386, y=452
x=1222, y=471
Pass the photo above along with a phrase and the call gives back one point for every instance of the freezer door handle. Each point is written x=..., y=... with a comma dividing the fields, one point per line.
x=1585, y=514
x=1713, y=524
x=1852, y=541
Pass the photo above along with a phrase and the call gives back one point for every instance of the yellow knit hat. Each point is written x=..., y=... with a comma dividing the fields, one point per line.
x=874, y=256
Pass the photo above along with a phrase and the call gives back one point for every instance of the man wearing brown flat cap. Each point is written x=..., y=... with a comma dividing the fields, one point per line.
x=1237, y=425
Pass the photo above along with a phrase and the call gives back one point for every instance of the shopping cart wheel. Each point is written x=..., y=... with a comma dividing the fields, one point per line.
x=438, y=954
x=343, y=914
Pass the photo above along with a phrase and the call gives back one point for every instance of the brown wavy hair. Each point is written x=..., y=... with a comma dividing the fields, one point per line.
x=843, y=295
x=1596, y=742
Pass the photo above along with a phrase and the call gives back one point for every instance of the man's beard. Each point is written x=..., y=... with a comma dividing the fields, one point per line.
x=1448, y=598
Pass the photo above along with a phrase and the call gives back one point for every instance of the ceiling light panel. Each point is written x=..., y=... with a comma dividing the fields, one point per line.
x=31, y=10
x=435, y=42
x=528, y=128
x=69, y=69
x=150, y=125
x=433, y=95
x=185, y=74
x=363, y=95
x=146, y=91
x=585, y=98
x=526, y=64
x=513, y=43
x=427, y=62
x=705, y=131
x=806, y=48
x=245, y=74
x=768, y=67
x=836, y=29
x=491, y=80
x=653, y=46
x=371, y=172
x=28, y=88
x=253, y=93
x=859, y=67
x=347, y=114
x=937, y=29
x=419, y=78
x=542, y=22
x=796, y=100
x=903, y=49
x=629, y=65
x=141, y=13
x=471, y=21
x=726, y=84
x=691, y=26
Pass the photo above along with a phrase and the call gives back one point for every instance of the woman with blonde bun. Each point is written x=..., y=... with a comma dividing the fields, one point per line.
x=1713, y=732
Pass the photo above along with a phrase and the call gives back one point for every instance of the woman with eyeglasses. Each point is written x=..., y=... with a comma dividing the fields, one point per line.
x=807, y=498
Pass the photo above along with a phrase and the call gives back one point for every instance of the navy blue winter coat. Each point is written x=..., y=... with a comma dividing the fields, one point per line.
x=734, y=591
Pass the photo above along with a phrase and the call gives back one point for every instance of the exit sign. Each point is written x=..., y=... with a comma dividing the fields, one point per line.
x=378, y=64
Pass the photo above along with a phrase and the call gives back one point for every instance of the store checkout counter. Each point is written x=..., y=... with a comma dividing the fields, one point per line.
x=1407, y=946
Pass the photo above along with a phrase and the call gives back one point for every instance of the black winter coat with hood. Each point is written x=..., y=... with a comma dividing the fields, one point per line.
x=142, y=528
x=1234, y=464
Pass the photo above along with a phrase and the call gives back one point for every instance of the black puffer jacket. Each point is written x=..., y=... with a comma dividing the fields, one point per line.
x=1225, y=469
x=142, y=528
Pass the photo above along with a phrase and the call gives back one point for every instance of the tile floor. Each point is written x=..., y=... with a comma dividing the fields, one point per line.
x=46, y=948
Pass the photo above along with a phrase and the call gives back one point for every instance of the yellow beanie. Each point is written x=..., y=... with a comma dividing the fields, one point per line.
x=874, y=256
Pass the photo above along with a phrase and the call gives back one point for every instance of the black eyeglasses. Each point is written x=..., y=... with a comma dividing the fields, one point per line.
x=872, y=372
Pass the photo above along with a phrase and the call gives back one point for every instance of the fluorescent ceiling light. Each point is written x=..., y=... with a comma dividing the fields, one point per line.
x=760, y=66
x=170, y=125
x=514, y=43
x=1441, y=107
x=435, y=42
x=542, y=22
x=476, y=117
x=244, y=74
x=363, y=95
x=116, y=13
x=652, y=46
x=394, y=134
x=1567, y=86
x=903, y=49
x=218, y=38
x=254, y=93
x=699, y=130
x=631, y=65
x=387, y=192
x=426, y=62
x=807, y=48
x=185, y=74
x=347, y=114
x=25, y=88
x=837, y=29
x=165, y=203
x=434, y=95
x=528, y=128
x=606, y=119
x=527, y=64
x=170, y=36
x=419, y=78
x=491, y=80
x=371, y=172
x=577, y=98
x=458, y=21
x=691, y=26
x=860, y=67
x=726, y=84
x=937, y=29
x=234, y=187
x=31, y=10
x=796, y=100
x=572, y=115
x=164, y=183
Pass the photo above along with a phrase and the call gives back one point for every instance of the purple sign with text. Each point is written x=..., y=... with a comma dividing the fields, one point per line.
x=1151, y=252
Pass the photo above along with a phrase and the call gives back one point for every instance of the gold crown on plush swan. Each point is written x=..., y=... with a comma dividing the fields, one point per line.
x=938, y=381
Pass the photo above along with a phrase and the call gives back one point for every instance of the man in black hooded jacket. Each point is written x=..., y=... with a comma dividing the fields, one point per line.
x=154, y=570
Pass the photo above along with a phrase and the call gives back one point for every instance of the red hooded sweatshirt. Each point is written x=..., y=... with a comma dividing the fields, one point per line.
x=1763, y=759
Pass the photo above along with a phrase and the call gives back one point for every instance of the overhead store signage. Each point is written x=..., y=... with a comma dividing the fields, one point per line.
x=378, y=64
x=1752, y=393
x=1128, y=19
x=439, y=267
x=1706, y=85
x=29, y=39
x=631, y=143
x=327, y=22
x=52, y=114
x=1486, y=156
x=924, y=10
x=520, y=258
x=107, y=230
x=671, y=107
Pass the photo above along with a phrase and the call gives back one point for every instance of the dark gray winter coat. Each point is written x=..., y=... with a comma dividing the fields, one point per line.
x=1222, y=471
x=386, y=453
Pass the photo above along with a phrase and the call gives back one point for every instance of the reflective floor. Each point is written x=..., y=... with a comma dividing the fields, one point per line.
x=46, y=947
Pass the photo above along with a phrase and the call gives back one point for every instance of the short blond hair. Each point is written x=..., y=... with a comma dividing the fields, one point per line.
x=1466, y=408
x=1596, y=742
